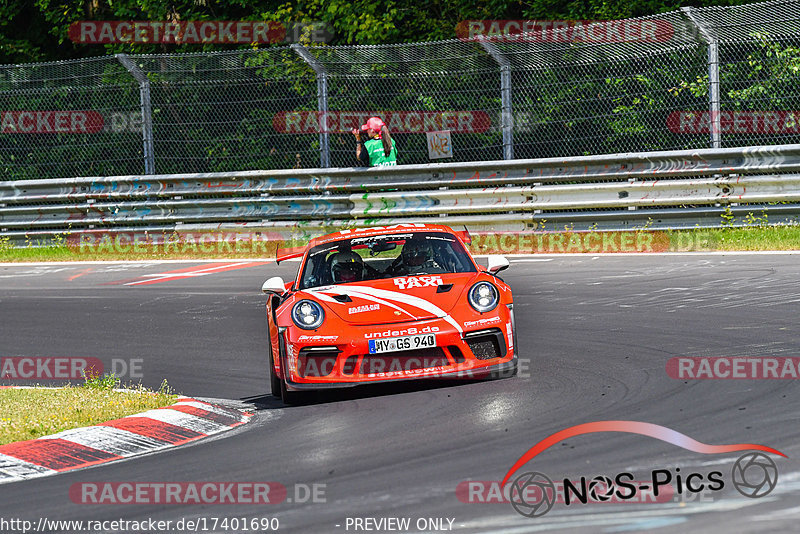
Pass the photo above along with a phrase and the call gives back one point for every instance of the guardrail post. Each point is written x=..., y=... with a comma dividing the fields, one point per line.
x=322, y=102
x=147, y=111
x=713, y=77
x=507, y=119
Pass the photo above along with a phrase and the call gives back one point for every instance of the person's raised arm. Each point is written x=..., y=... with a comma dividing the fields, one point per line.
x=360, y=152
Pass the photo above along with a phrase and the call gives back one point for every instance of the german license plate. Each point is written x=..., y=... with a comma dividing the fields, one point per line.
x=395, y=344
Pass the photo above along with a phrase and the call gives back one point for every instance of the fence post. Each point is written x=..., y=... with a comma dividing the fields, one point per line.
x=322, y=102
x=507, y=120
x=713, y=77
x=147, y=111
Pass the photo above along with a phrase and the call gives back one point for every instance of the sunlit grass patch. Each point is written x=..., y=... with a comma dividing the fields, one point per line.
x=762, y=238
x=28, y=413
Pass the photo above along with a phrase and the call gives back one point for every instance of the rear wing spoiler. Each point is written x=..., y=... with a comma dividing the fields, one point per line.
x=284, y=254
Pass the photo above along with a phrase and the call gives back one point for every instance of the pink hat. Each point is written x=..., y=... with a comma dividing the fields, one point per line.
x=374, y=123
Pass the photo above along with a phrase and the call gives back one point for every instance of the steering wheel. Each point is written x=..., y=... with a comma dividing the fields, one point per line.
x=396, y=268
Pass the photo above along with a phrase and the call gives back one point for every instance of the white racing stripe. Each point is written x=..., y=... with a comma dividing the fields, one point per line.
x=367, y=293
x=323, y=296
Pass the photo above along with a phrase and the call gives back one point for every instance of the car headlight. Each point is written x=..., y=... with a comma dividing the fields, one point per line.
x=307, y=314
x=483, y=296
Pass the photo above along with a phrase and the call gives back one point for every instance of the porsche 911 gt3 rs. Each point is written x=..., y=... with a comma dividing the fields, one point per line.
x=391, y=303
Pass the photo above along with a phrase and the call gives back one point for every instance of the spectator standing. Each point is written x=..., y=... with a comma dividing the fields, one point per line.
x=379, y=149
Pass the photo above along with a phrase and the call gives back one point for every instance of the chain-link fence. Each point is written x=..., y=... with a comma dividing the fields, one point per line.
x=694, y=78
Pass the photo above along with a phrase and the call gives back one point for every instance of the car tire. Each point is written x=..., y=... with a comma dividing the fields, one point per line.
x=274, y=380
x=288, y=397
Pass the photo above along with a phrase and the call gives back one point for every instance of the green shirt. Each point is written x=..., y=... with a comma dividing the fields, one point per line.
x=377, y=157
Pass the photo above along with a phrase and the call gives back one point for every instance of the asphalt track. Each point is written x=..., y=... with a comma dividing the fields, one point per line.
x=595, y=334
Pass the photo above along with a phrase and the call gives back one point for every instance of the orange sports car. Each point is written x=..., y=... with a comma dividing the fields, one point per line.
x=390, y=303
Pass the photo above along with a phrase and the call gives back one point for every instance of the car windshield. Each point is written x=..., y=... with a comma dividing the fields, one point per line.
x=384, y=256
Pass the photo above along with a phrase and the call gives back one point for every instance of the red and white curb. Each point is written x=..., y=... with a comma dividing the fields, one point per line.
x=185, y=421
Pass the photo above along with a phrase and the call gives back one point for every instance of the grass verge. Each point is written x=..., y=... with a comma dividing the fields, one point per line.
x=766, y=238
x=35, y=412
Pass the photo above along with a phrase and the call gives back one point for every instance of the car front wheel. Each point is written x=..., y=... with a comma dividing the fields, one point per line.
x=274, y=379
x=288, y=397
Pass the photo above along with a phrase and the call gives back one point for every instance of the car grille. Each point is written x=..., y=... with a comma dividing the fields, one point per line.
x=317, y=361
x=403, y=360
x=349, y=366
x=486, y=344
x=456, y=354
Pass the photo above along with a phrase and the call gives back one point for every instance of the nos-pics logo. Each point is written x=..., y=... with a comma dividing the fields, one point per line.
x=533, y=493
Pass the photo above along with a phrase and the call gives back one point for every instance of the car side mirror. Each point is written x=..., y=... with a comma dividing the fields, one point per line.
x=274, y=285
x=497, y=263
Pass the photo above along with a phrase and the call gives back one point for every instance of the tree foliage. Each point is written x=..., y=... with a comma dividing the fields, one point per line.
x=38, y=30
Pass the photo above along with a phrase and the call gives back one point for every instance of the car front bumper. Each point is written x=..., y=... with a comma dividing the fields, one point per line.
x=486, y=350
x=505, y=369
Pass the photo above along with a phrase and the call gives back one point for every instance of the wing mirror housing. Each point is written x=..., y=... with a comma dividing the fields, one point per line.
x=274, y=285
x=497, y=263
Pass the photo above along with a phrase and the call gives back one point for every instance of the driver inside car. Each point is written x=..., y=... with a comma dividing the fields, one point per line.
x=346, y=266
x=415, y=257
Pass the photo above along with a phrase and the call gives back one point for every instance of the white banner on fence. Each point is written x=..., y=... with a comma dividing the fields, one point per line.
x=439, y=145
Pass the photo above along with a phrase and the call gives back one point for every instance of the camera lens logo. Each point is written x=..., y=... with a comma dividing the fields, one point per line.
x=601, y=488
x=755, y=475
x=533, y=494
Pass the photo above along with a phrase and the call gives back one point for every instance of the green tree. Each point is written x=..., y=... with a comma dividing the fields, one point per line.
x=38, y=30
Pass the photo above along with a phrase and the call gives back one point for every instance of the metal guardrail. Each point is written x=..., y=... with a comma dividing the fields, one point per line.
x=660, y=190
x=707, y=77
